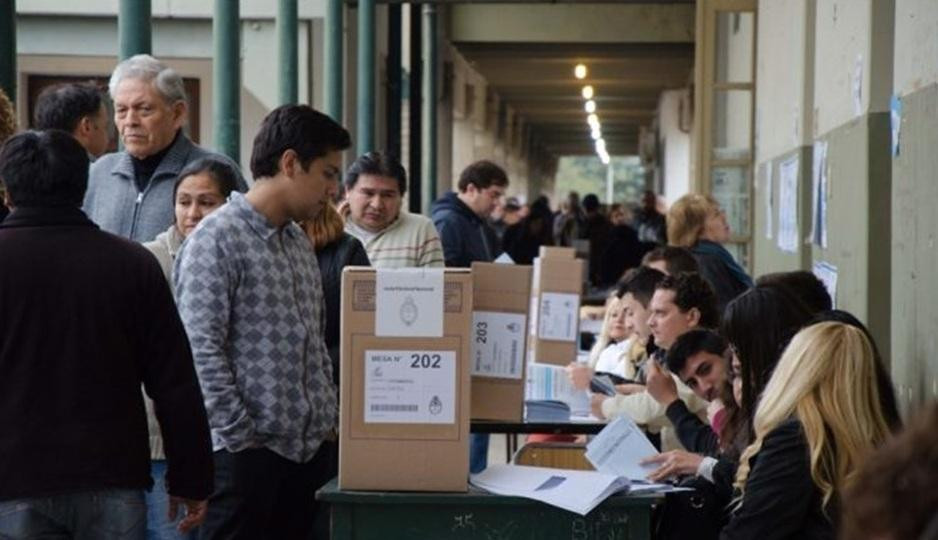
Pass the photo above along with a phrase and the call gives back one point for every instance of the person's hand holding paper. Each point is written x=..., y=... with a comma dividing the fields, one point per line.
x=672, y=464
x=619, y=450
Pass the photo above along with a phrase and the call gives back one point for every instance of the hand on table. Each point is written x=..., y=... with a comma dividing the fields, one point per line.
x=672, y=464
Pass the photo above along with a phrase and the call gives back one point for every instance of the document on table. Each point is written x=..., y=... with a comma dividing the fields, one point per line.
x=619, y=448
x=576, y=491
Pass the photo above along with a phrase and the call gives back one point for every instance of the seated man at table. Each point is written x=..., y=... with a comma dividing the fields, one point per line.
x=680, y=303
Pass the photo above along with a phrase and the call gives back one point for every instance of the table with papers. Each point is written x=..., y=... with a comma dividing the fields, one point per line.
x=477, y=514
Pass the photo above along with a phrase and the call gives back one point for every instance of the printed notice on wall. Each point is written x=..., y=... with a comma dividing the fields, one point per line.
x=819, y=194
x=410, y=387
x=409, y=302
x=558, y=316
x=788, y=205
x=497, y=344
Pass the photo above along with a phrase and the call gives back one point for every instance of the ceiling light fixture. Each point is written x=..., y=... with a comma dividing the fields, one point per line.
x=590, y=106
x=593, y=121
x=587, y=92
x=580, y=71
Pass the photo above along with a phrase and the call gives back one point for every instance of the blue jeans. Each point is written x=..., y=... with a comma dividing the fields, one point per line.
x=159, y=527
x=478, y=452
x=107, y=514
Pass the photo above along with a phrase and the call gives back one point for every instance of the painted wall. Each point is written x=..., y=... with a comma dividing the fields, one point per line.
x=784, y=126
x=914, y=195
x=46, y=45
x=675, y=143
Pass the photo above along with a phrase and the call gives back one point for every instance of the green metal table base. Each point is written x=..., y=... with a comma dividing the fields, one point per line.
x=476, y=515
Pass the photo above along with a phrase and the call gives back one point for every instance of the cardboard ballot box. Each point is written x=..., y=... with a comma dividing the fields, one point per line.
x=404, y=410
x=556, y=252
x=555, y=308
x=500, y=297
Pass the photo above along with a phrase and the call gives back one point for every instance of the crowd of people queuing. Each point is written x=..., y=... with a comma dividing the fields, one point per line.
x=156, y=266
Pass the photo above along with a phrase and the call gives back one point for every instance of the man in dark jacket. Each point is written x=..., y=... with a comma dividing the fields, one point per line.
x=462, y=218
x=462, y=221
x=90, y=319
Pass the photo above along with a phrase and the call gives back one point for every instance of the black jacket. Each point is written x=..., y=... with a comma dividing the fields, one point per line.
x=622, y=252
x=717, y=274
x=698, y=437
x=88, y=318
x=466, y=238
x=346, y=251
x=781, y=501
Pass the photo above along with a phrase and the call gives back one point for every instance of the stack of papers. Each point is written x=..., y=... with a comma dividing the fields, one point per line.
x=576, y=491
x=545, y=381
x=619, y=448
x=546, y=410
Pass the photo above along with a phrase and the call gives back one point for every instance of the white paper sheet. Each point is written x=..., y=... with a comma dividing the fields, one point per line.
x=559, y=316
x=546, y=381
x=409, y=302
x=504, y=258
x=856, y=88
x=768, y=195
x=498, y=344
x=410, y=387
x=618, y=449
x=788, y=205
x=827, y=273
x=576, y=491
x=819, y=194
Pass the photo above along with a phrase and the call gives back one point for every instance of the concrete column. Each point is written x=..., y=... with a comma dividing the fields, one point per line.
x=8, y=48
x=333, y=54
x=365, y=133
x=289, y=62
x=133, y=28
x=226, y=78
x=430, y=54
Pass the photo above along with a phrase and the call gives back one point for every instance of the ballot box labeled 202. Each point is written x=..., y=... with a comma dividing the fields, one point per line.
x=404, y=380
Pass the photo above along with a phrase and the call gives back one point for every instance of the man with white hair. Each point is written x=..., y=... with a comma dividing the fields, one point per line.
x=130, y=193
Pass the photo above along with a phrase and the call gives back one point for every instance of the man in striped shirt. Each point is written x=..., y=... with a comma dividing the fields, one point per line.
x=394, y=238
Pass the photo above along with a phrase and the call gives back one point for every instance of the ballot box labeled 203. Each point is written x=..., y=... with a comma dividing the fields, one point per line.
x=404, y=381
x=500, y=294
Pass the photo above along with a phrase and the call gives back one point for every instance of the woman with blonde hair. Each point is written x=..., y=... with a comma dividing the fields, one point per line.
x=335, y=249
x=819, y=418
x=697, y=222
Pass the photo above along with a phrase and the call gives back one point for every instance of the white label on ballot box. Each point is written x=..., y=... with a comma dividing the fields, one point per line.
x=410, y=387
x=558, y=316
x=497, y=344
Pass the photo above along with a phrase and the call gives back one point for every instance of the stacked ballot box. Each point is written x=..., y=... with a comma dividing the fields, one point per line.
x=405, y=379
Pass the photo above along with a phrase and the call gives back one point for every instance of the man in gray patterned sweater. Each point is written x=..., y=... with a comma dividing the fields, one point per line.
x=250, y=294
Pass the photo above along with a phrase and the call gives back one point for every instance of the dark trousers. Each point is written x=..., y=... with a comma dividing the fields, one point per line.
x=260, y=495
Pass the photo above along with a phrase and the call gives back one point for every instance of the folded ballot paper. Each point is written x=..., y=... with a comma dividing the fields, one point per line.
x=619, y=448
x=576, y=491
